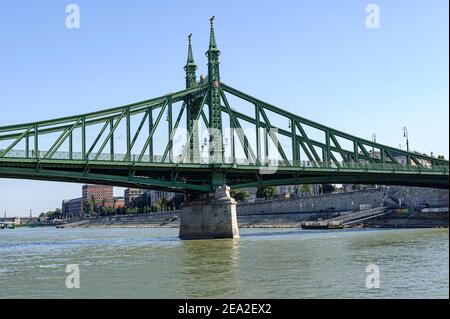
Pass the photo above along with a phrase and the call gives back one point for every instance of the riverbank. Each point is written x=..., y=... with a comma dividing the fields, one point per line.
x=162, y=220
x=394, y=218
x=406, y=207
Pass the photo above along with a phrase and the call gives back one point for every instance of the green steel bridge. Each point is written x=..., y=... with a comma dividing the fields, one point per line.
x=202, y=137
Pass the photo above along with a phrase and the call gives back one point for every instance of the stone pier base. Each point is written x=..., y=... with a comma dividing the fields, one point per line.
x=214, y=217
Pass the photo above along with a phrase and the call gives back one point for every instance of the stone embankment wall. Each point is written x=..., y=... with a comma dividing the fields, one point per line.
x=350, y=201
x=291, y=212
x=400, y=219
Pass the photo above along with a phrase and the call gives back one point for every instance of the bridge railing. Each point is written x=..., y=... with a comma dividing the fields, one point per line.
x=272, y=163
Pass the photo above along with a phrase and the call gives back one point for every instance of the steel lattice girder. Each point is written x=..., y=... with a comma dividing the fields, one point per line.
x=191, y=173
x=330, y=169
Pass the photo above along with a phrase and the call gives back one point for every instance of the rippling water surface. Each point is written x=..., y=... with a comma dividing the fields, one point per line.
x=275, y=263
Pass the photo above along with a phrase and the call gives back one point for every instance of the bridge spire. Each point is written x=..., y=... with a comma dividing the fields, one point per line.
x=193, y=107
x=216, y=151
x=212, y=38
x=190, y=66
x=213, y=56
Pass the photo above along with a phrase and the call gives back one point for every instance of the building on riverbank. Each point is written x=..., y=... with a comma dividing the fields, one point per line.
x=72, y=208
x=152, y=196
x=131, y=194
x=98, y=192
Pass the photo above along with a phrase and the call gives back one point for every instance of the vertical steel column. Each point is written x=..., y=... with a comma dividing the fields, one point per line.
x=150, y=128
x=232, y=141
x=170, y=127
x=27, y=146
x=83, y=138
x=71, y=145
x=258, y=129
x=111, y=138
x=355, y=151
x=36, y=141
x=216, y=151
x=295, y=152
x=128, y=127
x=266, y=144
x=328, y=150
x=192, y=108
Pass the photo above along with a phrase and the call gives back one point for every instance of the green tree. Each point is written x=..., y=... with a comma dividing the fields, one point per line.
x=239, y=195
x=107, y=211
x=267, y=192
x=442, y=157
x=58, y=213
x=163, y=203
x=52, y=214
x=102, y=207
x=87, y=207
x=94, y=205
x=306, y=188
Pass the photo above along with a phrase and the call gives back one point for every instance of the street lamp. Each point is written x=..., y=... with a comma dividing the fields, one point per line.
x=405, y=135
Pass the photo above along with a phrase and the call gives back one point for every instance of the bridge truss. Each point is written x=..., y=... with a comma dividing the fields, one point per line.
x=157, y=144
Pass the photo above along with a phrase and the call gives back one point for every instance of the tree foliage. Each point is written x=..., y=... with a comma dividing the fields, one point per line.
x=239, y=195
x=306, y=188
x=267, y=192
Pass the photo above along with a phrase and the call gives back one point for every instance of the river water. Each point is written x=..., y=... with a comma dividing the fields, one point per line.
x=263, y=263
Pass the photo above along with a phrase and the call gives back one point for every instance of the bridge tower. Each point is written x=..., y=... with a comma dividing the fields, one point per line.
x=192, y=106
x=213, y=216
x=216, y=148
x=216, y=151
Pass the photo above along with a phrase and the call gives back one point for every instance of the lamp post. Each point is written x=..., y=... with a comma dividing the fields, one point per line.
x=405, y=135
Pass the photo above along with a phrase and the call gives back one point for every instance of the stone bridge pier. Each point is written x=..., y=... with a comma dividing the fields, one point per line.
x=213, y=217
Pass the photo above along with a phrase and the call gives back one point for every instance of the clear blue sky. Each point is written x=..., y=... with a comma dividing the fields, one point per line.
x=315, y=58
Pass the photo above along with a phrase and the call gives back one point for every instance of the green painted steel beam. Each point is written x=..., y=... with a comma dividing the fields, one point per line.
x=138, y=131
x=99, y=135
x=382, y=179
x=111, y=132
x=170, y=128
x=152, y=132
x=18, y=139
x=321, y=127
x=300, y=138
x=78, y=177
x=273, y=136
x=258, y=133
x=172, y=133
x=357, y=166
x=177, y=96
x=192, y=131
x=249, y=153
